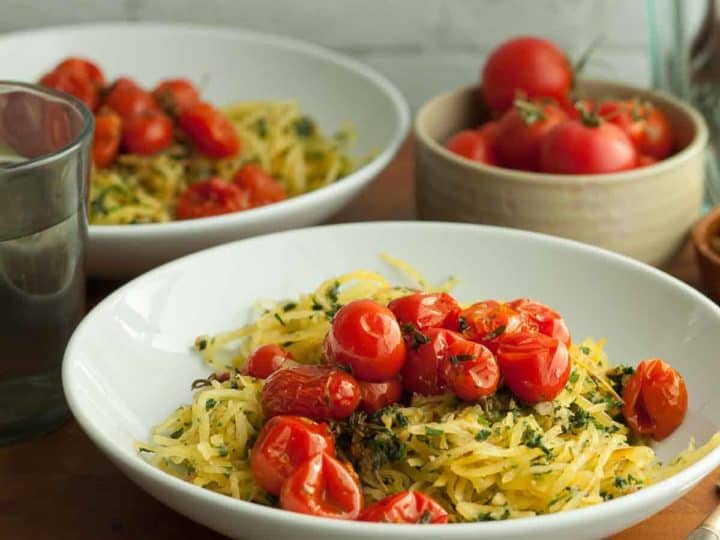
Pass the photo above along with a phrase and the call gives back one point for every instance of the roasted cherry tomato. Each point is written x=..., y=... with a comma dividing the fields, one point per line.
x=318, y=392
x=423, y=310
x=405, y=507
x=209, y=130
x=262, y=188
x=129, y=100
x=521, y=132
x=486, y=322
x=534, y=366
x=547, y=321
x=210, y=197
x=266, y=360
x=655, y=399
x=106, y=140
x=470, y=370
x=531, y=66
x=646, y=161
x=423, y=372
x=473, y=145
x=645, y=124
x=73, y=84
x=366, y=337
x=176, y=95
x=376, y=395
x=322, y=486
x=285, y=443
x=147, y=133
x=83, y=68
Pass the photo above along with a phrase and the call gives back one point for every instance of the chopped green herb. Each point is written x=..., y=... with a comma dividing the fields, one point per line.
x=462, y=324
x=143, y=449
x=433, y=432
x=585, y=350
x=279, y=319
x=333, y=291
x=288, y=343
x=455, y=358
x=574, y=377
x=202, y=344
x=533, y=439
x=304, y=127
x=261, y=127
x=425, y=517
x=418, y=338
x=210, y=403
x=289, y=306
x=495, y=333
x=222, y=451
x=488, y=516
x=177, y=434
x=482, y=435
x=316, y=306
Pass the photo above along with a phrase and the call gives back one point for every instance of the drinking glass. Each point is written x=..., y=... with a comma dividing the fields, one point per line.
x=44, y=171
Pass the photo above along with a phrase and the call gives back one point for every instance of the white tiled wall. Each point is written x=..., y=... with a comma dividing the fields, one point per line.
x=424, y=46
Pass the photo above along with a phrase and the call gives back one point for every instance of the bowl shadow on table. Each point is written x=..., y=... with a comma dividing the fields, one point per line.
x=645, y=213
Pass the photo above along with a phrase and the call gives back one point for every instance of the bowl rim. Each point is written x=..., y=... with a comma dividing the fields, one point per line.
x=264, y=214
x=136, y=467
x=701, y=232
x=696, y=145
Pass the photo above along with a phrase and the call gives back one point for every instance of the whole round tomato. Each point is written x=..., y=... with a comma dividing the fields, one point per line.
x=646, y=161
x=106, y=140
x=423, y=372
x=473, y=145
x=211, y=197
x=266, y=360
x=176, y=95
x=488, y=321
x=535, y=367
x=470, y=370
x=529, y=65
x=73, y=84
x=322, y=486
x=147, y=133
x=283, y=444
x=83, y=68
x=574, y=147
x=317, y=392
x=209, y=130
x=645, y=124
x=262, y=188
x=521, y=131
x=366, y=337
x=655, y=399
x=424, y=310
x=377, y=395
x=547, y=321
x=405, y=507
x=129, y=100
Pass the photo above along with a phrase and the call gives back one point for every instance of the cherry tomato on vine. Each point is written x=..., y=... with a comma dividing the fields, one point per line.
x=210, y=197
x=470, y=370
x=645, y=125
x=424, y=310
x=261, y=187
x=405, y=507
x=423, y=372
x=473, y=145
x=366, y=337
x=486, y=322
x=266, y=360
x=377, y=395
x=175, y=95
x=106, y=140
x=209, y=130
x=655, y=399
x=323, y=486
x=547, y=321
x=283, y=444
x=147, y=133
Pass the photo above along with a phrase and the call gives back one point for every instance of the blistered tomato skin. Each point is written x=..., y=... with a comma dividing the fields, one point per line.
x=266, y=360
x=655, y=399
x=488, y=321
x=547, y=320
x=423, y=370
x=470, y=370
x=377, y=395
x=406, y=507
x=424, y=310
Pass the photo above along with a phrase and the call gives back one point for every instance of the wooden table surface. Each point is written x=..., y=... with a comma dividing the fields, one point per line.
x=60, y=486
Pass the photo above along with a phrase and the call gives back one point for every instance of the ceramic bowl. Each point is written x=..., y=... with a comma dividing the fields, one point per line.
x=645, y=213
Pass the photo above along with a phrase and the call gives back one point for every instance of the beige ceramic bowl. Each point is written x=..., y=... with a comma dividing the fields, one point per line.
x=645, y=213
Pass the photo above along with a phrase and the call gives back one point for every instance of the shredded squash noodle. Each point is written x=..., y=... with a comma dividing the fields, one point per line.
x=490, y=460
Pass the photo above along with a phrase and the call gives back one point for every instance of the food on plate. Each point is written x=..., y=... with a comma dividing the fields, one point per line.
x=539, y=122
x=166, y=154
x=362, y=400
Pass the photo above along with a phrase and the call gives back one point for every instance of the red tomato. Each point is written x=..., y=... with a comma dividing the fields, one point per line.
x=646, y=161
x=473, y=145
x=490, y=131
x=423, y=310
x=645, y=124
x=147, y=133
x=532, y=66
x=655, y=399
x=521, y=132
x=470, y=370
x=423, y=372
x=366, y=337
x=106, y=140
x=377, y=395
x=209, y=130
x=576, y=148
x=547, y=321
x=486, y=322
x=322, y=486
x=210, y=197
x=266, y=360
x=129, y=100
x=72, y=84
x=83, y=68
x=405, y=507
x=285, y=443
x=176, y=95
x=534, y=366
x=318, y=392
x=261, y=187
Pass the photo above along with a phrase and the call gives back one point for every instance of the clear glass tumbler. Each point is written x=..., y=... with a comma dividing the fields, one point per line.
x=45, y=138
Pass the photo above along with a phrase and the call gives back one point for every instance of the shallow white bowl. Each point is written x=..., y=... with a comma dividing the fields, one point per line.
x=129, y=363
x=229, y=65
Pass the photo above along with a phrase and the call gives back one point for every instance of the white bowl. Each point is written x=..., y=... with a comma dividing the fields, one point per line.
x=229, y=65
x=129, y=363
